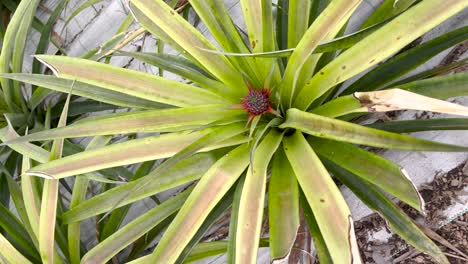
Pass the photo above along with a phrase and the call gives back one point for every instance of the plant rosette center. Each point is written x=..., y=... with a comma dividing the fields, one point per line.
x=257, y=102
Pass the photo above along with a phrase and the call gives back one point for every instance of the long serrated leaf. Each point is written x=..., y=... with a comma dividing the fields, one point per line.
x=339, y=130
x=13, y=46
x=80, y=88
x=14, y=192
x=319, y=243
x=231, y=247
x=379, y=45
x=402, y=63
x=133, y=83
x=202, y=250
x=326, y=26
x=108, y=248
x=328, y=205
x=213, y=137
x=80, y=187
x=117, y=216
x=143, y=149
x=186, y=171
x=298, y=21
x=17, y=234
x=257, y=16
x=46, y=33
x=408, y=126
x=397, y=220
x=283, y=207
x=372, y=168
x=442, y=87
x=392, y=100
x=50, y=196
x=209, y=190
x=27, y=149
x=251, y=204
x=137, y=122
x=436, y=71
x=387, y=9
x=326, y=46
x=259, y=22
x=178, y=65
x=10, y=253
x=31, y=198
x=218, y=20
x=208, y=223
x=191, y=41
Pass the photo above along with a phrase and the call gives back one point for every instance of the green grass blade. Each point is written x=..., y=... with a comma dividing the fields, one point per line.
x=191, y=41
x=10, y=254
x=208, y=191
x=352, y=133
x=283, y=207
x=323, y=196
x=186, y=171
x=133, y=83
x=327, y=25
x=408, y=126
x=79, y=88
x=398, y=221
x=372, y=168
x=251, y=204
x=402, y=63
x=126, y=235
x=379, y=45
x=169, y=120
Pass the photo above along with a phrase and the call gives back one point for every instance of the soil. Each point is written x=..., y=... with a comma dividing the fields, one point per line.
x=439, y=195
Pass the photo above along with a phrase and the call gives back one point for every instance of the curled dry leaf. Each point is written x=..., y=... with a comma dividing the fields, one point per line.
x=397, y=99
